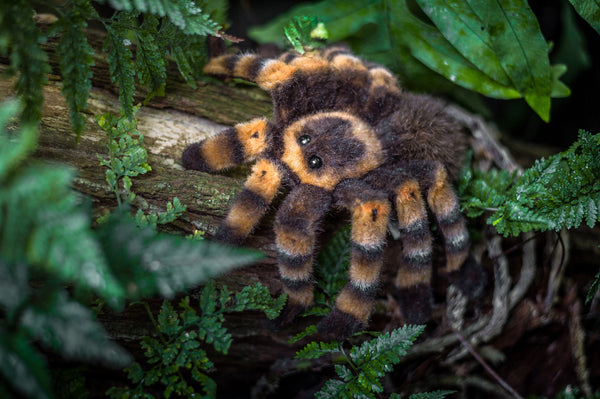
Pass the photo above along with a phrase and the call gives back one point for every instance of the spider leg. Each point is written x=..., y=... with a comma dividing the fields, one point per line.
x=242, y=143
x=267, y=73
x=443, y=202
x=370, y=210
x=414, y=274
x=252, y=202
x=295, y=226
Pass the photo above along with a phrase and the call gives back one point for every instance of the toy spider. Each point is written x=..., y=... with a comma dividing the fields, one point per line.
x=343, y=134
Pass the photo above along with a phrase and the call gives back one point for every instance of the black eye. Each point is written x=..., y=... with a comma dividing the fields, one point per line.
x=315, y=162
x=304, y=139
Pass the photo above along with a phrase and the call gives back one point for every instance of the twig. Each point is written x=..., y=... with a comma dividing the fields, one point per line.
x=577, y=336
x=487, y=368
x=558, y=260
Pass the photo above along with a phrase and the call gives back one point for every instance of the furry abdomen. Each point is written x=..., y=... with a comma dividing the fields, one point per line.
x=421, y=129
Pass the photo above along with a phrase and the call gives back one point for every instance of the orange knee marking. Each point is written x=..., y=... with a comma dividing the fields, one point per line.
x=409, y=204
x=253, y=137
x=441, y=197
x=264, y=180
x=274, y=73
x=369, y=222
x=216, y=152
x=357, y=307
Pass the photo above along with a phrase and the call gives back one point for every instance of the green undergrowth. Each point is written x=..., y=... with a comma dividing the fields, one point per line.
x=47, y=244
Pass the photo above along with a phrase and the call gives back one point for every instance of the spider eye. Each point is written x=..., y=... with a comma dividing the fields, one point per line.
x=304, y=139
x=315, y=162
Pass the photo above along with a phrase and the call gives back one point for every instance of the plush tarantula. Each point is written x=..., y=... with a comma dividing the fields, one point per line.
x=343, y=134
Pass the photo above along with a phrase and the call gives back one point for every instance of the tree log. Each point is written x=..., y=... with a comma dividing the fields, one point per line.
x=260, y=357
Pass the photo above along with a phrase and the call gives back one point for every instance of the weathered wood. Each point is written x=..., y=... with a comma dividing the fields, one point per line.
x=260, y=356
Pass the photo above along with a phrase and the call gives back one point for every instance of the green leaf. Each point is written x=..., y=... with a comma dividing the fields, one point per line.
x=16, y=147
x=258, y=297
x=184, y=14
x=559, y=192
x=19, y=34
x=315, y=350
x=495, y=49
x=589, y=10
x=22, y=365
x=150, y=62
x=516, y=38
x=301, y=33
x=431, y=395
x=148, y=263
x=593, y=288
x=120, y=63
x=48, y=226
x=310, y=330
x=429, y=46
x=75, y=58
x=70, y=328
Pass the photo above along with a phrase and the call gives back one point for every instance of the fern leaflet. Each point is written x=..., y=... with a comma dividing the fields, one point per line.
x=562, y=191
x=184, y=14
x=120, y=61
x=75, y=56
x=19, y=34
x=368, y=362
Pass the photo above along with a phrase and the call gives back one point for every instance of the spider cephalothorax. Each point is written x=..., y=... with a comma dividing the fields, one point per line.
x=343, y=134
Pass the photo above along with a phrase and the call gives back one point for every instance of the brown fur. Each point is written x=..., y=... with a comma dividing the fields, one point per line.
x=253, y=137
x=215, y=152
x=408, y=278
x=369, y=222
x=354, y=306
x=343, y=133
x=265, y=180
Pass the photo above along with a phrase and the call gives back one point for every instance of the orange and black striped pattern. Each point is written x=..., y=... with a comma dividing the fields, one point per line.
x=343, y=134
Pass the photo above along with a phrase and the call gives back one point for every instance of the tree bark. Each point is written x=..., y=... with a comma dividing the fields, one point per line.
x=260, y=357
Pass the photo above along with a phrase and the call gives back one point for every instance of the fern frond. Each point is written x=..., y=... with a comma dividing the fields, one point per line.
x=20, y=37
x=371, y=361
x=315, y=350
x=562, y=191
x=427, y=395
x=14, y=150
x=120, y=61
x=188, y=51
x=150, y=61
x=593, y=288
x=184, y=14
x=75, y=57
x=333, y=261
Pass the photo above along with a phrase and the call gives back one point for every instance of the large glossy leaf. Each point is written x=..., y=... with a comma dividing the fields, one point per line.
x=589, y=10
x=493, y=48
x=429, y=46
x=362, y=23
x=516, y=38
